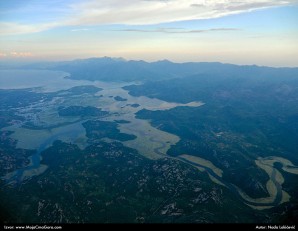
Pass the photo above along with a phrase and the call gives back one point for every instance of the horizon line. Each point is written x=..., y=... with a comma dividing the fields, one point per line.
x=21, y=61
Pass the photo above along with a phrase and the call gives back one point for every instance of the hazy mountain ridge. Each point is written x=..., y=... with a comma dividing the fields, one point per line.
x=119, y=69
x=108, y=69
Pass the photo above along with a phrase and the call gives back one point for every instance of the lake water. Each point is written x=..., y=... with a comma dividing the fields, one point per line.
x=48, y=81
x=150, y=142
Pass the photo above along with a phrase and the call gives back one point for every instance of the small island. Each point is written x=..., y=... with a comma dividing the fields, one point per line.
x=135, y=105
x=118, y=98
x=81, y=111
x=96, y=129
x=78, y=90
x=122, y=121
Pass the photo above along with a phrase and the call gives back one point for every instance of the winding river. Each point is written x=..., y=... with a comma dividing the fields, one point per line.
x=276, y=194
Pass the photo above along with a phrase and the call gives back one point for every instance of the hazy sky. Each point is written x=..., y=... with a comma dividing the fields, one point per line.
x=262, y=32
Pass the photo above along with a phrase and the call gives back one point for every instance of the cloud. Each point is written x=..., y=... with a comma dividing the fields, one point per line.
x=197, y=5
x=178, y=30
x=15, y=28
x=133, y=12
x=11, y=28
x=20, y=54
x=15, y=54
x=140, y=12
x=2, y=55
x=79, y=29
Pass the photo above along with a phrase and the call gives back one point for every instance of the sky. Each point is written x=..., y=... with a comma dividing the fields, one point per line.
x=261, y=32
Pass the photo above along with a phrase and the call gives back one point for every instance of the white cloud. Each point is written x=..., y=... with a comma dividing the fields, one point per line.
x=20, y=54
x=2, y=55
x=140, y=12
x=15, y=54
x=79, y=29
x=179, y=30
x=11, y=28
x=8, y=28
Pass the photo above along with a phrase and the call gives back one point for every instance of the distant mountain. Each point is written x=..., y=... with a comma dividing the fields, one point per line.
x=109, y=69
x=119, y=69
